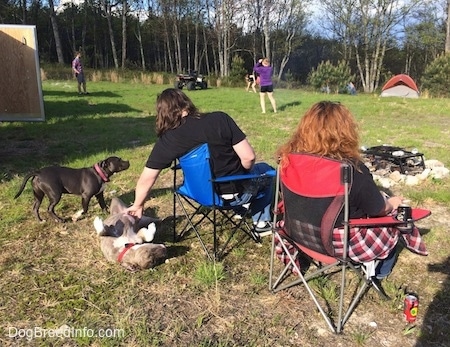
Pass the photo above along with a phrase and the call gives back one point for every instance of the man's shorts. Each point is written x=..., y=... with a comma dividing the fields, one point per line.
x=80, y=77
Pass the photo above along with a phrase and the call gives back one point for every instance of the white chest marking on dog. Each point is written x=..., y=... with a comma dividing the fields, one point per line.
x=121, y=242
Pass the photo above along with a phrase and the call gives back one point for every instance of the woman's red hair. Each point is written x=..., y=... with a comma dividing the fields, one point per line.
x=327, y=129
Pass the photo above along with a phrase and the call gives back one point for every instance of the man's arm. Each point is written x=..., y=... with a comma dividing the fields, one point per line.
x=143, y=186
x=75, y=65
x=246, y=153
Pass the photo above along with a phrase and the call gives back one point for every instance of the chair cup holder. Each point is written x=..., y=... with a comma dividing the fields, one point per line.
x=406, y=228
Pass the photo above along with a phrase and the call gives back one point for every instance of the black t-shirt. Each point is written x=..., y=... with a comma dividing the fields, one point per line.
x=217, y=129
x=365, y=199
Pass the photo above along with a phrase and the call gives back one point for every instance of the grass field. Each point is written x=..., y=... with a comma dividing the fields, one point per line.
x=54, y=275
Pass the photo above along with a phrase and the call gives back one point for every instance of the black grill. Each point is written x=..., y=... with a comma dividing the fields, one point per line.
x=395, y=158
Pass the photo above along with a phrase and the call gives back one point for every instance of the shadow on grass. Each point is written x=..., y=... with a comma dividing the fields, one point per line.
x=175, y=251
x=83, y=106
x=164, y=234
x=29, y=146
x=436, y=318
x=74, y=93
x=289, y=104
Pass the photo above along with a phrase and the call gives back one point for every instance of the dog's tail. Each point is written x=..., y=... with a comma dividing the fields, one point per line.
x=24, y=182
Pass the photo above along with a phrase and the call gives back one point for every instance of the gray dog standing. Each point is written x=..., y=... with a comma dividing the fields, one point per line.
x=53, y=181
x=126, y=240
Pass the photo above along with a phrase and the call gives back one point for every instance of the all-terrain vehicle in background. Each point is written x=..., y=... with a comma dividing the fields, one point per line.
x=192, y=81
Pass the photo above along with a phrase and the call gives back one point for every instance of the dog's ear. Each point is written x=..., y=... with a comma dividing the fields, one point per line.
x=117, y=206
x=104, y=163
x=111, y=230
x=109, y=161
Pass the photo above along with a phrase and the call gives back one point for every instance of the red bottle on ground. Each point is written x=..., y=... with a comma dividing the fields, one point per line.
x=410, y=307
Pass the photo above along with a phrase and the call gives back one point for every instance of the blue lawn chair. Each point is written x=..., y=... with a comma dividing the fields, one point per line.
x=197, y=196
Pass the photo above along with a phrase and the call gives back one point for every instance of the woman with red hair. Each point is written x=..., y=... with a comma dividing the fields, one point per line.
x=328, y=129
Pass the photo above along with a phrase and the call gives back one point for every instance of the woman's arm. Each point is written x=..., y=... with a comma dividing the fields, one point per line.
x=392, y=204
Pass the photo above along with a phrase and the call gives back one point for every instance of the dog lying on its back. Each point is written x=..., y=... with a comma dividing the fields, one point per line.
x=125, y=240
x=53, y=181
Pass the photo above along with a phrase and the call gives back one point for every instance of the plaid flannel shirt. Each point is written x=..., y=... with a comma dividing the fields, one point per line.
x=365, y=244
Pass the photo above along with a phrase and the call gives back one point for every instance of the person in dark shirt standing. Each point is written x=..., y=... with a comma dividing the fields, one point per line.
x=251, y=82
x=181, y=127
x=77, y=68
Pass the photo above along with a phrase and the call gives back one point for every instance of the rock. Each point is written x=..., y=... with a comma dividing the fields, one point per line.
x=439, y=172
x=396, y=176
x=432, y=163
x=386, y=178
x=412, y=181
x=424, y=174
x=385, y=182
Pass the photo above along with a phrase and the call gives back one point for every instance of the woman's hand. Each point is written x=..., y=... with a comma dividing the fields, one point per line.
x=395, y=201
x=391, y=204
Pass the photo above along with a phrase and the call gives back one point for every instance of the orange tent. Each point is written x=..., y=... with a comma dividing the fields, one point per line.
x=400, y=85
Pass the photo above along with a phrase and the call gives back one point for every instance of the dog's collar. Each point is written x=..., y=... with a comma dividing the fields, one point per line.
x=101, y=173
x=124, y=250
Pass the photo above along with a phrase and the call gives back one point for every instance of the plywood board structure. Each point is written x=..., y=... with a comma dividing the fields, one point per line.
x=20, y=80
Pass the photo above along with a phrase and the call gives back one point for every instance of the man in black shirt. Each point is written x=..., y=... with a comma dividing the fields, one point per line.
x=180, y=128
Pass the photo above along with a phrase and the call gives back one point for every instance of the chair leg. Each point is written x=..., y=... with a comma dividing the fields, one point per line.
x=275, y=285
x=174, y=217
x=379, y=288
x=351, y=307
x=192, y=225
x=218, y=250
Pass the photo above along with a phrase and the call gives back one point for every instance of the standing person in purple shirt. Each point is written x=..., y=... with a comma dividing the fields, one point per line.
x=264, y=70
x=77, y=69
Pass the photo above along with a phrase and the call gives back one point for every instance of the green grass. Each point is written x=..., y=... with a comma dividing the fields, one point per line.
x=55, y=274
x=208, y=274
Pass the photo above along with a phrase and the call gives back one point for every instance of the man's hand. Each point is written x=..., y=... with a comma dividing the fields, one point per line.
x=136, y=211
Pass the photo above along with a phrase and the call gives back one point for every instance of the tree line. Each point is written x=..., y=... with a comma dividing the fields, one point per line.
x=373, y=38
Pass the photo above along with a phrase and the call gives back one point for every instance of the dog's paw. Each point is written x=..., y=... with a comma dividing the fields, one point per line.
x=98, y=225
x=152, y=227
x=77, y=215
x=148, y=234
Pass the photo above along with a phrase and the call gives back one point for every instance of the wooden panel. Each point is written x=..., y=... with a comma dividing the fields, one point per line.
x=20, y=82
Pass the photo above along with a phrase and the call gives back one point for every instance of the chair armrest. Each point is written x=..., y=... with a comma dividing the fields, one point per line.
x=417, y=214
x=270, y=173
